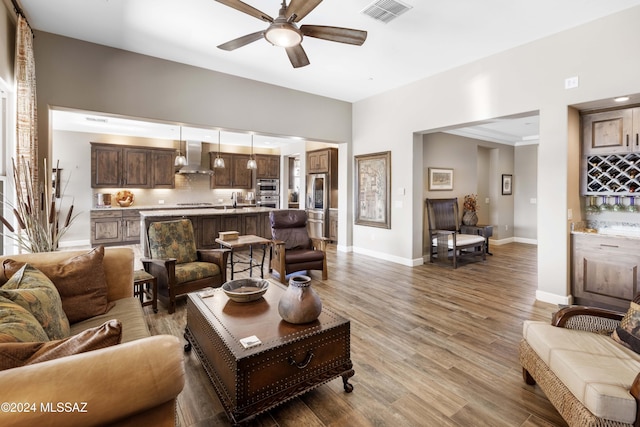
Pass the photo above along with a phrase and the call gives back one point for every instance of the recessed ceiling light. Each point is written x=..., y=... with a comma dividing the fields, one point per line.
x=621, y=99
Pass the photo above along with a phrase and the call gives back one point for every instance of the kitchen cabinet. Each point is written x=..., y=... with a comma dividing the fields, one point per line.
x=115, y=226
x=609, y=132
x=234, y=175
x=333, y=225
x=320, y=161
x=162, y=169
x=131, y=167
x=268, y=166
x=604, y=270
x=209, y=229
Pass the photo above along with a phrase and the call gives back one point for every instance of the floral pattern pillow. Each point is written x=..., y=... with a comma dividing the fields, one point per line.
x=35, y=292
x=18, y=325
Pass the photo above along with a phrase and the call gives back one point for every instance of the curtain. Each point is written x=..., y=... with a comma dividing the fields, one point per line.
x=27, y=118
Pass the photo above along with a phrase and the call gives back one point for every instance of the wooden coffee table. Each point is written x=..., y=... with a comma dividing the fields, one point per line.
x=291, y=359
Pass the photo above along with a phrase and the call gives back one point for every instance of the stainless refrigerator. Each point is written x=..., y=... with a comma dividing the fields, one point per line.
x=318, y=204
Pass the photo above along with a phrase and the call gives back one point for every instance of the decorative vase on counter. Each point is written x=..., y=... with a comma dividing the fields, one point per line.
x=469, y=218
x=300, y=303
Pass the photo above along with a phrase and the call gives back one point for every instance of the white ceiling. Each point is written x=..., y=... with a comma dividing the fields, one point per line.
x=430, y=38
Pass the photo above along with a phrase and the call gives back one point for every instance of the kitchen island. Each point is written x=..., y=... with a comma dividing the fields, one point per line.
x=209, y=222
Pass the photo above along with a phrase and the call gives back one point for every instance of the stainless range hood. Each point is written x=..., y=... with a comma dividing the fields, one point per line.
x=194, y=159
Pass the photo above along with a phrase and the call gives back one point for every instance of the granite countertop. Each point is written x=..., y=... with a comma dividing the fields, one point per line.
x=172, y=206
x=202, y=211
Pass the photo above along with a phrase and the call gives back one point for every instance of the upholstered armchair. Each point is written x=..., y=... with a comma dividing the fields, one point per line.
x=292, y=248
x=445, y=239
x=176, y=263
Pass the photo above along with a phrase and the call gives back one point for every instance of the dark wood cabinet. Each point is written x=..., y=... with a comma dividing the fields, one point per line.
x=235, y=174
x=208, y=231
x=131, y=167
x=106, y=165
x=162, y=170
x=268, y=166
x=322, y=161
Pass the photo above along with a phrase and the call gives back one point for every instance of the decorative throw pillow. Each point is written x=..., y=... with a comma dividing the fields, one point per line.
x=80, y=281
x=628, y=333
x=16, y=354
x=18, y=325
x=32, y=290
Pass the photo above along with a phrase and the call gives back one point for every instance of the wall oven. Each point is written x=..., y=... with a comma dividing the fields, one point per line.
x=268, y=187
x=268, y=202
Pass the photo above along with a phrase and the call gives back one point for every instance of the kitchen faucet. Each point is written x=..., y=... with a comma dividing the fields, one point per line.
x=234, y=199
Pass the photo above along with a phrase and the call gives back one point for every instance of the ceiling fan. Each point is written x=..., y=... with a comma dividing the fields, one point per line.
x=284, y=32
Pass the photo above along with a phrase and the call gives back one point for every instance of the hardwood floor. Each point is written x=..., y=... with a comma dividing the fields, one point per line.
x=430, y=346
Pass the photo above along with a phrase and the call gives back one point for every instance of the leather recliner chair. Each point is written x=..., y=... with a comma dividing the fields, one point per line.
x=292, y=248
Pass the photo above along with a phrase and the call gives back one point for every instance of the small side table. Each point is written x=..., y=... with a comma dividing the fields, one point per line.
x=144, y=284
x=240, y=243
x=485, y=231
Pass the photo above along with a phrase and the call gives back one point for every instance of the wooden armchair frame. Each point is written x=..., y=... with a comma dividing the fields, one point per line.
x=443, y=221
x=164, y=270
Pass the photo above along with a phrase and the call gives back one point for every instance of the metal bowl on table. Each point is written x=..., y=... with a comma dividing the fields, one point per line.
x=245, y=290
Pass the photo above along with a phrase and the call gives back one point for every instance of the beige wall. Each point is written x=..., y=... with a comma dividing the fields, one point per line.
x=525, y=188
x=527, y=79
x=81, y=75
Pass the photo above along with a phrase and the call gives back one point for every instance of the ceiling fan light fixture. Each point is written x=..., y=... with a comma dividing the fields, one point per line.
x=283, y=35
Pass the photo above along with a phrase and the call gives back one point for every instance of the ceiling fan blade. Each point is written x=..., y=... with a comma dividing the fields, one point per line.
x=301, y=8
x=249, y=10
x=297, y=56
x=335, y=34
x=241, y=41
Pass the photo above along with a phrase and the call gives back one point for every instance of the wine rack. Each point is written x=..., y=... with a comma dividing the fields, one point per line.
x=613, y=174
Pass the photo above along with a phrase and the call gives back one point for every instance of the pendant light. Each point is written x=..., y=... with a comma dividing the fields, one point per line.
x=219, y=161
x=181, y=160
x=251, y=164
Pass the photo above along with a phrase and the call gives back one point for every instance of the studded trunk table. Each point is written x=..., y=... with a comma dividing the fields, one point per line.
x=291, y=359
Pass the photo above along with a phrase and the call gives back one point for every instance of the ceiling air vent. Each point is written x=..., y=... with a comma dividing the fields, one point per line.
x=385, y=10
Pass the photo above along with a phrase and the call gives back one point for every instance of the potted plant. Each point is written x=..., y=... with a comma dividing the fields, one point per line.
x=469, y=209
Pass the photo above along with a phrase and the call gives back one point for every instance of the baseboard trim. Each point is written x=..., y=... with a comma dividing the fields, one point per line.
x=388, y=257
x=553, y=298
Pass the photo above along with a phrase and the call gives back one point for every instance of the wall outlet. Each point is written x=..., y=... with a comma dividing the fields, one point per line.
x=569, y=213
x=486, y=201
x=506, y=227
x=533, y=201
x=161, y=202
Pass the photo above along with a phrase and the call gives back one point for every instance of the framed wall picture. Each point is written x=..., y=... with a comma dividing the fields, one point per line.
x=440, y=179
x=373, y=189
x=507, y=184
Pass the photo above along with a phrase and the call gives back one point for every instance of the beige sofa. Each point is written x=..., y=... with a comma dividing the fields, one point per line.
x=134, y=383
x=591, y=379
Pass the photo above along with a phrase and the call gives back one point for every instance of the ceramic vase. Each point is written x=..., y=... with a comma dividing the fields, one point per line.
x=469, y=218
x=300, y=303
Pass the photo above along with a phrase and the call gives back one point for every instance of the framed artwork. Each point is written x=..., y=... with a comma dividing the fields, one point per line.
x=507, y=184
x=373, y=189
x=440, y=179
